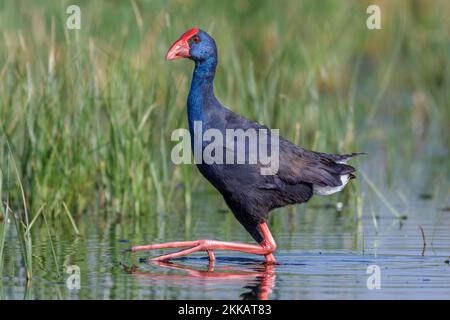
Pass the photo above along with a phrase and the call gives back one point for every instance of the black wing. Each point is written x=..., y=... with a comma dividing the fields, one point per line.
x=298, y=165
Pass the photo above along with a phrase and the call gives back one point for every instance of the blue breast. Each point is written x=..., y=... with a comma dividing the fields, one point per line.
x=201, y=99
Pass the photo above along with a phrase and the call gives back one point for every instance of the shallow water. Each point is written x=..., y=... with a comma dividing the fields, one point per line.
x=318, y=263
x=322, y=255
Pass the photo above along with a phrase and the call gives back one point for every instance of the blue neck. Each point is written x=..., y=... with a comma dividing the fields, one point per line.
x=201, y=97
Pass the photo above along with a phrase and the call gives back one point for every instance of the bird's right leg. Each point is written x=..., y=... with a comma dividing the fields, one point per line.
x=266, y=247
x=166, y=245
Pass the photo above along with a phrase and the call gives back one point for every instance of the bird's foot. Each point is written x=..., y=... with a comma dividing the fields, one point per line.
x=265, y=248
x=270, y=259
x=209, y=246
x=211, y=256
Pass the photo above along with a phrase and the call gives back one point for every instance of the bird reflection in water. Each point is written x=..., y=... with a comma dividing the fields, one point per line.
x=259, y=280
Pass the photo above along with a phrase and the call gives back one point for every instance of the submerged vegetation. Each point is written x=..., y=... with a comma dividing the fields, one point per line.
x=86, y=115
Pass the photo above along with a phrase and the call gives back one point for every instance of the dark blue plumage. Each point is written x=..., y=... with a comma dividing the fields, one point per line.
x=249, y=194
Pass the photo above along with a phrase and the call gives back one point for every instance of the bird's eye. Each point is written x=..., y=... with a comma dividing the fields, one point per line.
x=196, y=39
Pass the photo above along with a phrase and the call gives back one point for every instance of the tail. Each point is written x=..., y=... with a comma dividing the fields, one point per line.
x=342, y=169
x=340, y=158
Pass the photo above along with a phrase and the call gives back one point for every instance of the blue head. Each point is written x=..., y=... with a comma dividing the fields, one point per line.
x=194, y=44
x=198, y=46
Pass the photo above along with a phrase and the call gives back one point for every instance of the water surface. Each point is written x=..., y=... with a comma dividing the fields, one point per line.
x=322, y=254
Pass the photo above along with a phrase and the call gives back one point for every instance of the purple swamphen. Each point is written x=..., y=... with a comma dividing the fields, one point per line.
x=249, y=194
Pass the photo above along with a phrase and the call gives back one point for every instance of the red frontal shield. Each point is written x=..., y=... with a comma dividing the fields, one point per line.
x=180, y=49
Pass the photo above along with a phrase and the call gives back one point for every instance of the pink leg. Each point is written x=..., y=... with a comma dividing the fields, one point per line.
x=265, y=247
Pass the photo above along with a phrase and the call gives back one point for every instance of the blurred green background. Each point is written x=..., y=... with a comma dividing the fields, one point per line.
x=86, y=115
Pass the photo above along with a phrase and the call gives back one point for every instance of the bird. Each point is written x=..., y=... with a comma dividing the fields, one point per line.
x=249, y=194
